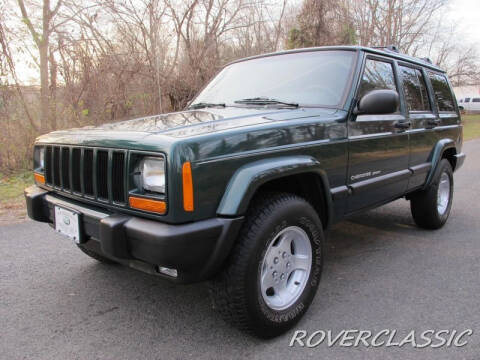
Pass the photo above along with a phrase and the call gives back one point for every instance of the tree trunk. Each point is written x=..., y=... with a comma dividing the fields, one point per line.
x=53, y=92
x=44, y=90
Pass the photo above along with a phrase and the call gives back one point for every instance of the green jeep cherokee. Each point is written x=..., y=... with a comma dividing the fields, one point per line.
x=240, y=188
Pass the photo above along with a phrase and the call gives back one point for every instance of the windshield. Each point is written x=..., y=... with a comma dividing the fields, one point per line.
x=316, y=78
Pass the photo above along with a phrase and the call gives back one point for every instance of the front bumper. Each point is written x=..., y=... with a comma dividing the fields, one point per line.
x=460, y=159
x=196, y=250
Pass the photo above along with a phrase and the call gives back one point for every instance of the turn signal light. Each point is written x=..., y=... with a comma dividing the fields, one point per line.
x=40, y=179
x=151, y=205
x=187, y=187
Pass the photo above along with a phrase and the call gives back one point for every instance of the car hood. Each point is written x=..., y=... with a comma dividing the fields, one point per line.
x=144, y=133
x=197, y=122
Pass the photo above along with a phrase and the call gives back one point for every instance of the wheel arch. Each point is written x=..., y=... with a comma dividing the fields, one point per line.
x=301, y=175
x=443, y=149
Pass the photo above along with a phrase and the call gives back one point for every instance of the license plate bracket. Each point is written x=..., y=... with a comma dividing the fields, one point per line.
x=67, y=222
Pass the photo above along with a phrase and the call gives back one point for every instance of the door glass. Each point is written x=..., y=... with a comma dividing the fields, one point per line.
x=423, y=91
x=442, y=92
x=415, y=90
x=377, y=75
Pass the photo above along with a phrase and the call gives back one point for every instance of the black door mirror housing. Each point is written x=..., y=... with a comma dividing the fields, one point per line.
x=378, y=102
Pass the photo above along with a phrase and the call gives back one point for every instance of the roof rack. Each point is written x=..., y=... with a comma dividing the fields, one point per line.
x=393, y=48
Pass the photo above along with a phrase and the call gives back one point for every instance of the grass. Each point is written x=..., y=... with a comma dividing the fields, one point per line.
x=12, y=202
x=471, y=126
x=11, y=187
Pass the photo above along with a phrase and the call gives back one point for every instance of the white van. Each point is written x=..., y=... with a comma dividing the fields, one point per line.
x=470, y=103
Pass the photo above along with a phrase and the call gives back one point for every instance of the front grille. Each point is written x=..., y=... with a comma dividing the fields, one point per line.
x=118, y=173
x=56, y=166
x=66, y=168
x=87, y=172
x=76, y=170
x=48, y=165
x=102, y=174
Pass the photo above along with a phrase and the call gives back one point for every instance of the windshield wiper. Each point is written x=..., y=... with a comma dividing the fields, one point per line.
x=265, y=101
x=202, y=105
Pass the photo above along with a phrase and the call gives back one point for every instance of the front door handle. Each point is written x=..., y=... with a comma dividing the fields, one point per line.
x=433, y=122
x=403, y=125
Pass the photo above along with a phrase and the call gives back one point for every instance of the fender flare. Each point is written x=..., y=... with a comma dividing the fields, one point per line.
x=248, y=178
x=436, y=156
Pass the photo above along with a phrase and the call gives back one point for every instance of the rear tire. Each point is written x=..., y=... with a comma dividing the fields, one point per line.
x=269, y=279
x=96, y=256
x=431, y=207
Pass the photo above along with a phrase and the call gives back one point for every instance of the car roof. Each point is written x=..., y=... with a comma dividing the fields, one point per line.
x=376, y=51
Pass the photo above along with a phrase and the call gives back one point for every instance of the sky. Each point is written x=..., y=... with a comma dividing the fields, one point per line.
x=466, y=13
x=463, y=13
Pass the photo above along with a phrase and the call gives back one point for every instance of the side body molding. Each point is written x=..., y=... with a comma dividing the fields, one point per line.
x=436, y=156
x=248, y=178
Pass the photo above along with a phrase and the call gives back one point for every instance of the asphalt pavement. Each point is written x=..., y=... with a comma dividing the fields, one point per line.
x=382, y=272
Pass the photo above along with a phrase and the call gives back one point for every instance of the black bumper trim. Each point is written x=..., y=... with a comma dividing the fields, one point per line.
x=36, y=207
x=460, y=160
x=195, y=249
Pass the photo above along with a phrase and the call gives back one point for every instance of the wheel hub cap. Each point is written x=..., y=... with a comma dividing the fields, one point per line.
x=443, y=195
x=285, y=268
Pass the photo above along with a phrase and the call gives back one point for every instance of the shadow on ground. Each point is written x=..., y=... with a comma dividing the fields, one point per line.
x=158, y=311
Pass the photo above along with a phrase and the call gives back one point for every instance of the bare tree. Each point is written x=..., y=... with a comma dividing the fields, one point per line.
x=105, y=60
x=404, y=23
x=459, y=59
x=41, y=38
x=322, y=22
x=8, y=65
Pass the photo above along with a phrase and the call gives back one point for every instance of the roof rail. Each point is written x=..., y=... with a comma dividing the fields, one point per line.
x=393, y=48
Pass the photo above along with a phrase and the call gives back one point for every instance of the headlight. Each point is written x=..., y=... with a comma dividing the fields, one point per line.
x=153, y=174
x=39, y=159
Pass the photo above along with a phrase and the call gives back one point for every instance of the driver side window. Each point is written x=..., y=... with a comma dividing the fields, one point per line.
x=378, y=75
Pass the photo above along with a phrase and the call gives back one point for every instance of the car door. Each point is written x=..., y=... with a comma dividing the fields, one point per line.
x=378, y=144
x=419, y=111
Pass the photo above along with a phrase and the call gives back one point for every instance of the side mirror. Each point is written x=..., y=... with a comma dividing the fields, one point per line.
x=378, y=102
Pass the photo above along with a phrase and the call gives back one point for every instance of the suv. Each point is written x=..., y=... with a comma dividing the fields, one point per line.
x=240, y=188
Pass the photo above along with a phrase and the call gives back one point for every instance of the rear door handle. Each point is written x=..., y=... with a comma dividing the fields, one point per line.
x=403, y=125
x=433, y=122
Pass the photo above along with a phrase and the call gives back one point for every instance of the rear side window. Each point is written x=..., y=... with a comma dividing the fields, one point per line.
x=376, y=76
x=415, y=89
x=467, y=99
x=442, y=92
x=476, y=100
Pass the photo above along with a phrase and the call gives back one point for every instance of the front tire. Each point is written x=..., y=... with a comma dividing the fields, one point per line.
x=274, y=269
x=431, y=206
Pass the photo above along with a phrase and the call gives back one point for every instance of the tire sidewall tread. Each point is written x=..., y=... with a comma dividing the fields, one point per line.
x=423, y=203
x=236, y=290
